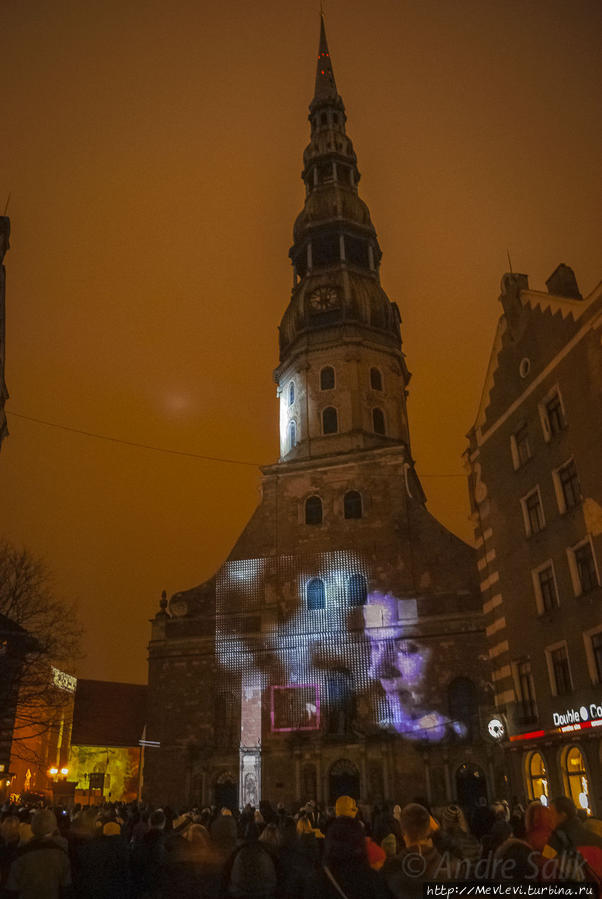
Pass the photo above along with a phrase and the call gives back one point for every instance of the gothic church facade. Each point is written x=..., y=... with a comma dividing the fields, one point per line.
x=340, y=648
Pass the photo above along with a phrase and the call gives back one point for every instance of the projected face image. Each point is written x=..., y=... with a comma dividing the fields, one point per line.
x=334, y=658
x=400, y=665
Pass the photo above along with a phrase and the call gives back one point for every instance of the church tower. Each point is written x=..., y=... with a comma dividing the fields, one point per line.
x=339, y=648
x=342, y=377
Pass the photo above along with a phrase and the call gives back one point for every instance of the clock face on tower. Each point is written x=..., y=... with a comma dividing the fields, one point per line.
x=324, y=298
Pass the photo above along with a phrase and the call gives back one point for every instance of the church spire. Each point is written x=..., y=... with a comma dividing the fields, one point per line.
x=326, y=88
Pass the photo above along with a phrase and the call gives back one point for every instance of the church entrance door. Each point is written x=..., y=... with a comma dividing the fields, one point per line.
x=343, y=780
x=226, y=793
x=471, y=784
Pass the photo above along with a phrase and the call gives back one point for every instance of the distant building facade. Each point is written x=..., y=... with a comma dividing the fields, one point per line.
x=341, y=647
x=4, y=245
x=535, y=463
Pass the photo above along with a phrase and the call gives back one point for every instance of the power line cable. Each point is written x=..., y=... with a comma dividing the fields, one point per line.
x=163, y=449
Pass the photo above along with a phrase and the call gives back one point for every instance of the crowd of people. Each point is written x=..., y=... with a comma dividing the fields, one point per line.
x=117, y=851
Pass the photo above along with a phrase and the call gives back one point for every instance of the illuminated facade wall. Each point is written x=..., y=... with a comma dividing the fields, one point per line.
x=118, y=766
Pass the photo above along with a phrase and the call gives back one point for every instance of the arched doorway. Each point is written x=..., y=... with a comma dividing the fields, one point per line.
x=575, y=777
x=226, y=791
x=343, y=780
x=471, y=784
x=536, y=777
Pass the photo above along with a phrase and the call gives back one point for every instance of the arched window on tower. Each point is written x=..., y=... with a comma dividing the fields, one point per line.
x=357, y=590
x=292, y=434
x=313, y=510
x=352, y=504
x=327, y=378
x=291, y=393
x=316, y=594
x=378, y=421
x=376, y=379
x=330, y=421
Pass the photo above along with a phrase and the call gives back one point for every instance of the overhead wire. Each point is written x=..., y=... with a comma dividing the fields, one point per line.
x=162, y=449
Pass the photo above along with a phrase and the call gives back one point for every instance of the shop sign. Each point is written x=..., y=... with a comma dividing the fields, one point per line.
x=575, y=719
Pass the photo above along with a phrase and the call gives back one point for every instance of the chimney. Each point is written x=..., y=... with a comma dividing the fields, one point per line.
x=562, y=283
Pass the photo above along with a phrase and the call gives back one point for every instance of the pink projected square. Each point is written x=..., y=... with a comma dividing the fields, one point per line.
x=295, y=707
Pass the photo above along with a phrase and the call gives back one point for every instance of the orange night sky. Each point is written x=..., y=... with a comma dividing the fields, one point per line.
x=153, y=156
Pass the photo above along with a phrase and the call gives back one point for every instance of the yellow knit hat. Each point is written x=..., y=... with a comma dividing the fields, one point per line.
x=345, y=807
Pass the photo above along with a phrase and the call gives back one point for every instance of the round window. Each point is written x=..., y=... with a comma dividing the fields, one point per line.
x=525, y=367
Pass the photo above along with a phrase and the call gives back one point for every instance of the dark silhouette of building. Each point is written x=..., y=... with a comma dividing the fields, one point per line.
x=536, y=494
x=341, y=646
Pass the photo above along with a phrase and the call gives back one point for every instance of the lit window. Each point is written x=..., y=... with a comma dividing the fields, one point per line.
x=378, y=421
x=327, y=378
x=376, y=379
x=533, y=513
x=357, y=590
x=567, y=486
x=576, y=780
x=559, y=669
x=330, y=422
x=316, y=594
x=520, y=446
x=352, y=504
x=291, y=393
x=292, y=435
x=537, y=777
x=546, y=593
x=313, y=510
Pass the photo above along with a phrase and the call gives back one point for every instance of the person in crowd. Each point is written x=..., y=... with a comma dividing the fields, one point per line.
x=41, y=869
x=270, y=835
x=539, y=824
x=482, y=818
x=515, y=861
x=345, y=870
x=570, y=836
x=346, y=807
x=224, y=832
x=149, y=859
x=9, y=847
x=250, y=872
x=419, y=861
x=292, y=865
x=454, y=836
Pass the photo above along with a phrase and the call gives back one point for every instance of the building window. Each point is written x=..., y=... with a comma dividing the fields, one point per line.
x=376, y=379
x=463, y=706
x=313, y=510
x=292, y=435
x=352, y=504
x=330, y=421
x=327, y=378
x=533, y=512
x=316, y=594
x=546, y=591
x=291, y=393
x=593, y=653
x=576, y=780
x=357, y=590
x=582, y=565
x=527, y=710
x=378, y=421
x=551, y=412
x=566, y=483
x=559, y=669
x=537, y=778
x=520, y=446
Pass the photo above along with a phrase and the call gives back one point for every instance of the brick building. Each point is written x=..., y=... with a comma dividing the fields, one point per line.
x=340, y=648
x=536, y=495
